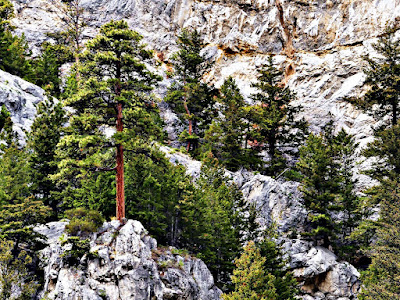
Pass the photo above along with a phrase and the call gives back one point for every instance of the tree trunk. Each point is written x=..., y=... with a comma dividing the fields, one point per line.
x=120, y=170
x=190, y=122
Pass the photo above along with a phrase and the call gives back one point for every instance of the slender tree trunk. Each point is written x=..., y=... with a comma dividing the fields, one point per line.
x=190, y=122
x=120, y=169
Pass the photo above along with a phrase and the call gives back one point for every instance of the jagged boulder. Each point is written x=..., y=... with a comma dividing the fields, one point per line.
x=20, y=98
x=123, y=263
x=323, y=276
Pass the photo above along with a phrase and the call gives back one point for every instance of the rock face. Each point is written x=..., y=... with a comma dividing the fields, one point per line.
x=20, y=98
x=125, y=264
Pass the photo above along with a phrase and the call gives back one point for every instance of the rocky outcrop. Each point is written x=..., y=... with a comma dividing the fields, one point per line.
x=20, y=98
x=123, y=263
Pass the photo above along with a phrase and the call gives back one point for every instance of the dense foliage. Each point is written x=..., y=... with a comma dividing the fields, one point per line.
x=325, y=168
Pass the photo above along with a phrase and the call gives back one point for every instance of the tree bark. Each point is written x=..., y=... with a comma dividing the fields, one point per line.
x=120, y=170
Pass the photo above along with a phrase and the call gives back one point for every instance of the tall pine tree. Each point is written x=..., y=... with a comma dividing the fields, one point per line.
x=188, y=96
x=115, y=93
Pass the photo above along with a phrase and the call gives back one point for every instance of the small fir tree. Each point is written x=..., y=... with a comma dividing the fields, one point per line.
x=251, y=280
x=325, y=166
x=14, y=50
x=284, y=282
x=15, y=280
x=386, y=149
x=348, y=201
x=155, y=189
x=215, y=219
x=278, y=132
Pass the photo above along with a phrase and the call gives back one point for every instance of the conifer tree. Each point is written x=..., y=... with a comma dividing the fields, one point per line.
x=46, y=71
x=275, y=264
x=115, y=93
x=320, y=183
x=155, y=190
x=325, y=165
x=382, y=279
x=13, y=49
x=45, y=134
x=386, y=148
x=227, y=134
x=347, y=201
x=72, y=14
x=215, y=219
x=14, y=170
x=4, y=118
x=278, y=131
x=383, y=78
x=251, y=280
x=188, y=96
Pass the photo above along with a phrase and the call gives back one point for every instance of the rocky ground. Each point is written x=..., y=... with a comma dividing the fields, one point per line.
x=123, y=263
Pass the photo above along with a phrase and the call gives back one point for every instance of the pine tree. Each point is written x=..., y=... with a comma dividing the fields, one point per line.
x=13, y=49
x=383, y=78
x=72, y=14
x=320, y=183
x=215, y=219
x=14, y=169
x=4, y=118
x=227, y=133
x=278, y=131
x=45, y=134
x=386, y=148
x=347, y=202
x=382, y=279
x=155, y=189
x=251, y=280
x=47, y=71
x=115, y=91
x=188, y=96
x=275, y=264
x=326, y=169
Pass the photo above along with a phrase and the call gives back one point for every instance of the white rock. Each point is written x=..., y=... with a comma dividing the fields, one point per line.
x=124, y=269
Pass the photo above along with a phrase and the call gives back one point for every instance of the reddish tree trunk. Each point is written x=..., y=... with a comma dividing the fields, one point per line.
x=190, y=122
x=120, y=170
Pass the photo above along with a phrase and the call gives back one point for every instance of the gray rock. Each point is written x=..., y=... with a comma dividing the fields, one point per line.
x=20, y=98
x=127, y=265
